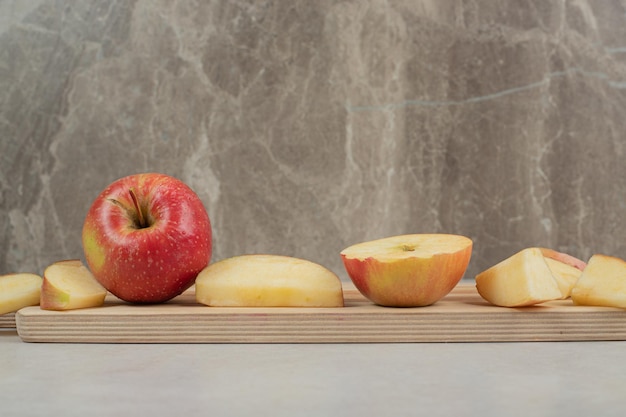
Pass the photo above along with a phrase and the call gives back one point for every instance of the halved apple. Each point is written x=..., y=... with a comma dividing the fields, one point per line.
x=19, y=290
x=69, y=285
x=565, y=268
x=268, y=281
x=602, y=283
x=408, y=270
x=523, y=279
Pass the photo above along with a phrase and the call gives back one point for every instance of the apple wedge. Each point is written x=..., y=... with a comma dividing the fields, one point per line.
x=521, y=280
x=565, y=276
x=565, y=268
x=19, y=290
x=602, y=283
x=268, y=281
x=69, y=285
x=408, y=270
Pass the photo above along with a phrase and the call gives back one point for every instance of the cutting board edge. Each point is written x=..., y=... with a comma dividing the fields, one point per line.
x=363, y=323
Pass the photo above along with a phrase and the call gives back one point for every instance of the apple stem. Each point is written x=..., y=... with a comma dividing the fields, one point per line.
x=140, y=217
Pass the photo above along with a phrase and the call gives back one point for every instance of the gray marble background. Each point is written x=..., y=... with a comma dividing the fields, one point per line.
x=307, y=126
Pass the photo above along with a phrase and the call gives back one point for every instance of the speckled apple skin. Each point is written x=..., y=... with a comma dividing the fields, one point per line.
x=410, y=282
x=154, y=264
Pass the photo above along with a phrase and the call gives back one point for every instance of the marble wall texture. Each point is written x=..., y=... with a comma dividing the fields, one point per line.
x=306, y=126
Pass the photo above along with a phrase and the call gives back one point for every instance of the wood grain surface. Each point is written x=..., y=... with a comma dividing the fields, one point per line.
x=7, y=321
x=462, y=316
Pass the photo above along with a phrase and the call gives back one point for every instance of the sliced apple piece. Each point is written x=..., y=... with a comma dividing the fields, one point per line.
x=69, y=285
x=521, y=280
x=268, y=281
x=19, y=290
x=602, y=283
x=565, y=276
x=565, y=268
x=413, y=270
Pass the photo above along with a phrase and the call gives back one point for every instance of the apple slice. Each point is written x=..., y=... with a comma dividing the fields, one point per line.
x=408, y=270
x=565, y=268
x=19, y=290
x=565, y=276
x=268, y=281
x=521, y=280
x=69, y=285
x=602, y=283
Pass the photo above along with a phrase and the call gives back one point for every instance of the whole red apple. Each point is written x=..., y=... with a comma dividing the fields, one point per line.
x=146, y=237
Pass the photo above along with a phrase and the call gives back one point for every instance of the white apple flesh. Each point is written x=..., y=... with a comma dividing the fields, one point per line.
x=565, y=275
x=602, y=283
x=268, y=281
x=69, y=285
x=19, y=290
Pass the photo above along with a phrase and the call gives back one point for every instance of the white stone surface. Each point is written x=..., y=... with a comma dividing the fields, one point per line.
x=475, y=379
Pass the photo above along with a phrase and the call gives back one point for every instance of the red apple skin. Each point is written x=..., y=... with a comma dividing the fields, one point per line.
x=563, y=257
x=152, y=264
x=411, y=282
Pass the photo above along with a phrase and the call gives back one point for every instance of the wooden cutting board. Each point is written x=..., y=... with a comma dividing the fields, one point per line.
x=462, y=316
x=7, y=321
